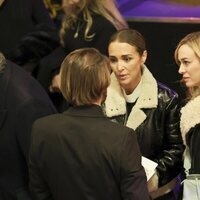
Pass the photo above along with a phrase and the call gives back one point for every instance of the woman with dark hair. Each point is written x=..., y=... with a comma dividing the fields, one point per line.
x=137, y=100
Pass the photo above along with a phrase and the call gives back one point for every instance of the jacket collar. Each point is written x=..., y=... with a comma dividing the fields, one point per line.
x=190, y=116
x=85, y=111
x=115, y=103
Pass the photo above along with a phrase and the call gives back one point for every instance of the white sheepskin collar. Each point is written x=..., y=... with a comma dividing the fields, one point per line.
x=190, y=116
x=115, y=103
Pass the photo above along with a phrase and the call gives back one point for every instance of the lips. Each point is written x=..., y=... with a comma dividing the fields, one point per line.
x=122, y=76
x=185, y=79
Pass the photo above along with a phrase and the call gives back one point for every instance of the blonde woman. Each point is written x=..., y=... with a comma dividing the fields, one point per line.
x=187, y=56
x=87, y=23
x=91, y=13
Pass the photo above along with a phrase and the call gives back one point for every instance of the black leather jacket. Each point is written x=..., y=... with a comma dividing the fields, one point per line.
x=159, y=135
x=193, y=141
x=158, y=132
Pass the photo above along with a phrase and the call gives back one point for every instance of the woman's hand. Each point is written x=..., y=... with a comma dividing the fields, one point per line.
x=152, y=184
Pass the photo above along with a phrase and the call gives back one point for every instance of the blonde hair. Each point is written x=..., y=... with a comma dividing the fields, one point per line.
x=85, y=76
x=52, y=7
x=105, y=8
x=193, y=41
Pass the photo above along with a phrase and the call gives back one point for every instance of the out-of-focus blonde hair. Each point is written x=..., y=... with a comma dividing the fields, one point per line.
x=85, y=76
x=106, y=8
x=52, y=7
x=193, y=41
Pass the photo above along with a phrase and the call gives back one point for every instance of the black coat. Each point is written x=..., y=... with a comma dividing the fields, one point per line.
x=80, y=155
x=28, y=33
x=22, y=101
x=50, y=65
x=155, y=117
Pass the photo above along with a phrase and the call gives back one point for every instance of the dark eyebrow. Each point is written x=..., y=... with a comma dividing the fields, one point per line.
x=127, y=55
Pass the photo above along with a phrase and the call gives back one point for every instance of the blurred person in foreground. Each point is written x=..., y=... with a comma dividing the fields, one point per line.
x=22, y=101
x=80, y=154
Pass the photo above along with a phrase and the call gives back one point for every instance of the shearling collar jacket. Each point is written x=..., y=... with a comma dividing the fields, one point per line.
x=155, y=119
x=190, y=129
x=190, y=116
x=115, y=103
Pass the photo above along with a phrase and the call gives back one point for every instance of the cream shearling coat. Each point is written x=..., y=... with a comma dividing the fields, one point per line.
x=115, y=103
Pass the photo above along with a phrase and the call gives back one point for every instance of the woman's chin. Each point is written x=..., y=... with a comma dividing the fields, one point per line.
x=189, y=84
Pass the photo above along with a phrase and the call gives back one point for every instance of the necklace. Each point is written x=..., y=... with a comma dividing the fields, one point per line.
x=79, y=26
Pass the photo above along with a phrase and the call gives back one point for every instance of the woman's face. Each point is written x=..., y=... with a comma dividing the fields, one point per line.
x=126, y=64
x=189, y=66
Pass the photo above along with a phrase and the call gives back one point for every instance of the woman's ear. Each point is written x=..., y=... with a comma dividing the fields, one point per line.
x=144, y=56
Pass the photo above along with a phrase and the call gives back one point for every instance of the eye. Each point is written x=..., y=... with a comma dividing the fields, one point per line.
x=185, y=62
x=127, y=59
x=112, y=60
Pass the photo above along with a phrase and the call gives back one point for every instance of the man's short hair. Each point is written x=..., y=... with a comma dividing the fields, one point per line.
x=85, y=76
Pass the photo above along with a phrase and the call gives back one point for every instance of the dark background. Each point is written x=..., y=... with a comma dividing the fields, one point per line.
x=163, y=24
x=162, y=39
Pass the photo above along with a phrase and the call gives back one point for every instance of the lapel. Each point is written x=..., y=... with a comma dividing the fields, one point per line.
x=4, y=80
x=115, y=103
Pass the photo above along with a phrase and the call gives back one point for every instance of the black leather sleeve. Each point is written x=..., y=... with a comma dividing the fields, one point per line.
x=170, y=162
x=193, y=140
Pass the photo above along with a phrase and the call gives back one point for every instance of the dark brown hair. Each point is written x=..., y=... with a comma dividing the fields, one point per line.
x=131, y=37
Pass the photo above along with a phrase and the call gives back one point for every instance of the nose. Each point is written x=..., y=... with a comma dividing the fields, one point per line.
x=181, y=69
x=120, y=66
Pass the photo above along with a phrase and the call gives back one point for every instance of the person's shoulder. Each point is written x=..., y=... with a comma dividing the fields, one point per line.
x=119, y=128
x=101, y=21
x=48, y=122
x=23, y=85
x=47, y=127
x=50, y=118
x=19, y=75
